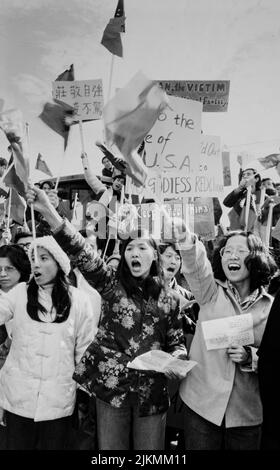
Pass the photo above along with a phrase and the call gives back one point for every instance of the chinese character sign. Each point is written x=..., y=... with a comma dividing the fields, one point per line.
x=86, y=97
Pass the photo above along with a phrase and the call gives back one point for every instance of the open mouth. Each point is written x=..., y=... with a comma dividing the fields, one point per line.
x=136, y=264
x=234, y=267
x=37, y=275
x=170, y=270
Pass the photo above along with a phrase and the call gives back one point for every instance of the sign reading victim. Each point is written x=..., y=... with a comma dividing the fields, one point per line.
x=173, y=150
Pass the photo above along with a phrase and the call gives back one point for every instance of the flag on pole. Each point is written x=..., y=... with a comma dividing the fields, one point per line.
x=18, y=207
x=58, y=116
x=67, y=75
x=111, y=38
x=42, y=165
x=129, y=116
x=12, y=124
x=119, y=13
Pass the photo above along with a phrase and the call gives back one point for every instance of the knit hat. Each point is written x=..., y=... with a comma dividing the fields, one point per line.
x=50, y=244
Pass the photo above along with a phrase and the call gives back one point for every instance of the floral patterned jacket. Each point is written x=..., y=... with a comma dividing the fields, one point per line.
x=128, y=327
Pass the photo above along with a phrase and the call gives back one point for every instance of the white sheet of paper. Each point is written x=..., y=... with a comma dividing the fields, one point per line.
x=223, y=332
x=161, y=361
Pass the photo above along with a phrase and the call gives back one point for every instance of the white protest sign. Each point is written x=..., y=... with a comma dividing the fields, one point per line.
x=222, y=332
x=209, y=181
x=172, y=151
x=86, y=97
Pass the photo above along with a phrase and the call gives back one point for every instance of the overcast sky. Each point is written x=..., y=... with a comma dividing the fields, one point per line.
x=236, y=40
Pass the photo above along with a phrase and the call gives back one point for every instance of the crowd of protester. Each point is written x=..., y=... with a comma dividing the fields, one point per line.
x=75, y=309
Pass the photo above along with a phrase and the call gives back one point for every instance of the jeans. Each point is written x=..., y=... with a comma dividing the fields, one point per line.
x=123, y=429
x=26, y=434
x=201, y=434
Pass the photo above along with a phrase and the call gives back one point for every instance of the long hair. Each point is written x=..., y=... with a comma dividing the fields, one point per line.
x=259, y=261
x=151, y=285
x=61, y=299
x=18, y=258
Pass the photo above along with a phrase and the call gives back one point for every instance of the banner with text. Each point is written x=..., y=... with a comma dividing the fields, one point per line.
x=172, y=152
x=197, y=213
x=209, y=181
x=213, y=94
x=86, y=97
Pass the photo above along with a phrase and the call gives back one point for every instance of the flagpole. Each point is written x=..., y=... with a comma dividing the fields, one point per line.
x=9, y=208
x=247, y=207
x=82, y=136
x=75, y=205
x=32, y=205
x=60, y=170
x=269, y=224
x=111, y=76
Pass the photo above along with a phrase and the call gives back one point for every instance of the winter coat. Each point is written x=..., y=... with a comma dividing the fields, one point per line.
x=36, y=379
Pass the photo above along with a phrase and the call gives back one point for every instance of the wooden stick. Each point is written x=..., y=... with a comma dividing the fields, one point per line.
x=9, y=207
x=75, y=205
x=34, y=233
x=111, y=77
x=106, y=247
x=269, y=223
x=60, y=170
x=82, y=136
x=247, y=207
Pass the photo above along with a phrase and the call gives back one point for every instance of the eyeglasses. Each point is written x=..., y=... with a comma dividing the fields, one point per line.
x=228, y=252
x=7, y=269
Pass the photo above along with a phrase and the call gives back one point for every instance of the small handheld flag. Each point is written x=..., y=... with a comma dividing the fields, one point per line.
x=42, y=166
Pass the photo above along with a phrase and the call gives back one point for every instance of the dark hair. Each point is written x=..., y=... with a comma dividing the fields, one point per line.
x=20, y=235
x=267, y=179
x=121, y=176
x=50, y=183
x=257, y=177
x=3, y=161
x=259, y=262
x=61, y=299
x=163, y=247
x=103, y=158
x=151, y=285
x=18, y=258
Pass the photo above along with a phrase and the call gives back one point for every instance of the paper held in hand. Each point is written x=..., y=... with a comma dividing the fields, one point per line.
x=161, y=361
x=223, y=332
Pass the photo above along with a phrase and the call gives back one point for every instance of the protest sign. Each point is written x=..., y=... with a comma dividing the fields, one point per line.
x=198, y=214
x=213, y=94
x=204, y=217
x=86, y=97
x=223, y=332
x=209, y=181
x=172, y=150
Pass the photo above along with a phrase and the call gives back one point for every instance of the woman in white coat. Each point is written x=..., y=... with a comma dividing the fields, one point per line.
x=52, y=326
